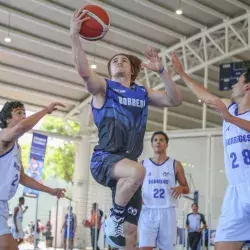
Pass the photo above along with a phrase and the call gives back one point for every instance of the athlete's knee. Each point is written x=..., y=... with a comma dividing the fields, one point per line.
x=138, y=175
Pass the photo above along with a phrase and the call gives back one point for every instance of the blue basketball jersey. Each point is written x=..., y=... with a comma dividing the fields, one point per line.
x=71, y=221
x=122, y=120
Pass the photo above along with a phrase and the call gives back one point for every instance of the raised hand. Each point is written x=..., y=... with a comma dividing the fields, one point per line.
x=58, y=192
x=177, y=66
x=220, y=107
x=77, y=20
x=54, y=106
x=155, y=62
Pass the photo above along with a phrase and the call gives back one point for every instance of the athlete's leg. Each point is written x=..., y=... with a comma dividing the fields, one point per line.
x=71, y=243
x=130, y=233
x=130, y=176
x=126, y=176
x=7, y=242
x=166, y=239
x=229, y=245
x=234, y=223
x=65, y=243
x=148, y=229
x=133, y=211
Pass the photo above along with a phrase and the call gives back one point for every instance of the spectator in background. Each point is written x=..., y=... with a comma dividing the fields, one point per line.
x=37, y=233
x=72, y=221
x=94, y=224
x=17, y=224
x=193, y=225
x=48, y=234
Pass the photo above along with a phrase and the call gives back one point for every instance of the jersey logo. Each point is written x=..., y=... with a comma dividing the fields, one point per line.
x=149, y=174
x=166, y=174
x=228, y=128
x=120, y=90
x=132, y=211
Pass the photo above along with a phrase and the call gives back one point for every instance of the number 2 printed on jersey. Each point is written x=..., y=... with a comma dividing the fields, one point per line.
x=15, y=181
x=159, y=193
x=245, y=155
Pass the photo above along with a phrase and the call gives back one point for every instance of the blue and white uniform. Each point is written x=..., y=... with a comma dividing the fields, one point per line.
x=10, y=169
x=234, y=222
x=157, y=223
x=71, y=226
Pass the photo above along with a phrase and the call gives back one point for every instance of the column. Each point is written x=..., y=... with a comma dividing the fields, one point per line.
x=81, y=182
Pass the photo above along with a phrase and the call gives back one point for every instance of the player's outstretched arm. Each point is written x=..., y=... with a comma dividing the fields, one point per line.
x=27, y=181
x=198, y=89
x=169, y=97
x=95, y=84
x=13, y=133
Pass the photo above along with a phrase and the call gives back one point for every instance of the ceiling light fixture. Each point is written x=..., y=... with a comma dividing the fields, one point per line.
x=7, y=39
x=179, y=10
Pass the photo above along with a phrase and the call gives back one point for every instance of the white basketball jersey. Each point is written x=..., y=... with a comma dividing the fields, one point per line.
x=156, y=188
x=236, y=149
x=10, y=169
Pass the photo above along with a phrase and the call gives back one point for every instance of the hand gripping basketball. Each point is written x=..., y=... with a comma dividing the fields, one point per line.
x=91, y=22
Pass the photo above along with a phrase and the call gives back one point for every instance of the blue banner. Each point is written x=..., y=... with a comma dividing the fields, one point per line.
x=36, y=162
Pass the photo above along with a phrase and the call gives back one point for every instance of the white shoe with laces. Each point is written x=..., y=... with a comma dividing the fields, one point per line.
x=114, y=232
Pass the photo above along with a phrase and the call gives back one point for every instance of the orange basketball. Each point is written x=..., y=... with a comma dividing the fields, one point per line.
x=97, y=26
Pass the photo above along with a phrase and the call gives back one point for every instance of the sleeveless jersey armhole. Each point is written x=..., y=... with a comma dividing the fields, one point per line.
x=105, y=98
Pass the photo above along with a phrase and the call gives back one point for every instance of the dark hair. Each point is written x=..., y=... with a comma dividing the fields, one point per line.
x=159, y=133
x=195, y=204
x=95, y=205
x=21, y=199
x=247, y=75
x=6, y=111
x=135, y=65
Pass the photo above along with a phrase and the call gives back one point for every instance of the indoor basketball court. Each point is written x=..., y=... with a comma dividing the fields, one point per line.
x=38, y=66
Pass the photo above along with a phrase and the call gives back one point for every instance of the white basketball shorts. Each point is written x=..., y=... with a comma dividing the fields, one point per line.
x=4, y=215
x=158, y=228
x=234, y=221
x=19, y=234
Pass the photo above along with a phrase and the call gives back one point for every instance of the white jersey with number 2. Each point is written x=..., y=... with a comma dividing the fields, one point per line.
x=156, y=189
x=10, y=169
x=236, y=149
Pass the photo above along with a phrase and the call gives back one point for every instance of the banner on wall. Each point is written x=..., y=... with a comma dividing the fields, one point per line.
x=36, y=162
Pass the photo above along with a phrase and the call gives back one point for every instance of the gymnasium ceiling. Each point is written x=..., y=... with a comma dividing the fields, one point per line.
x=36, y=67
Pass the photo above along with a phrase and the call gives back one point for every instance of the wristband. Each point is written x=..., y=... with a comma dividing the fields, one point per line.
x=161, y=70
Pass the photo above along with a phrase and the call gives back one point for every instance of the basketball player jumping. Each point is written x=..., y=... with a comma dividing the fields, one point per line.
x=157, y=223
x=14, y=124
x=120, y=108
x=234, y=222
